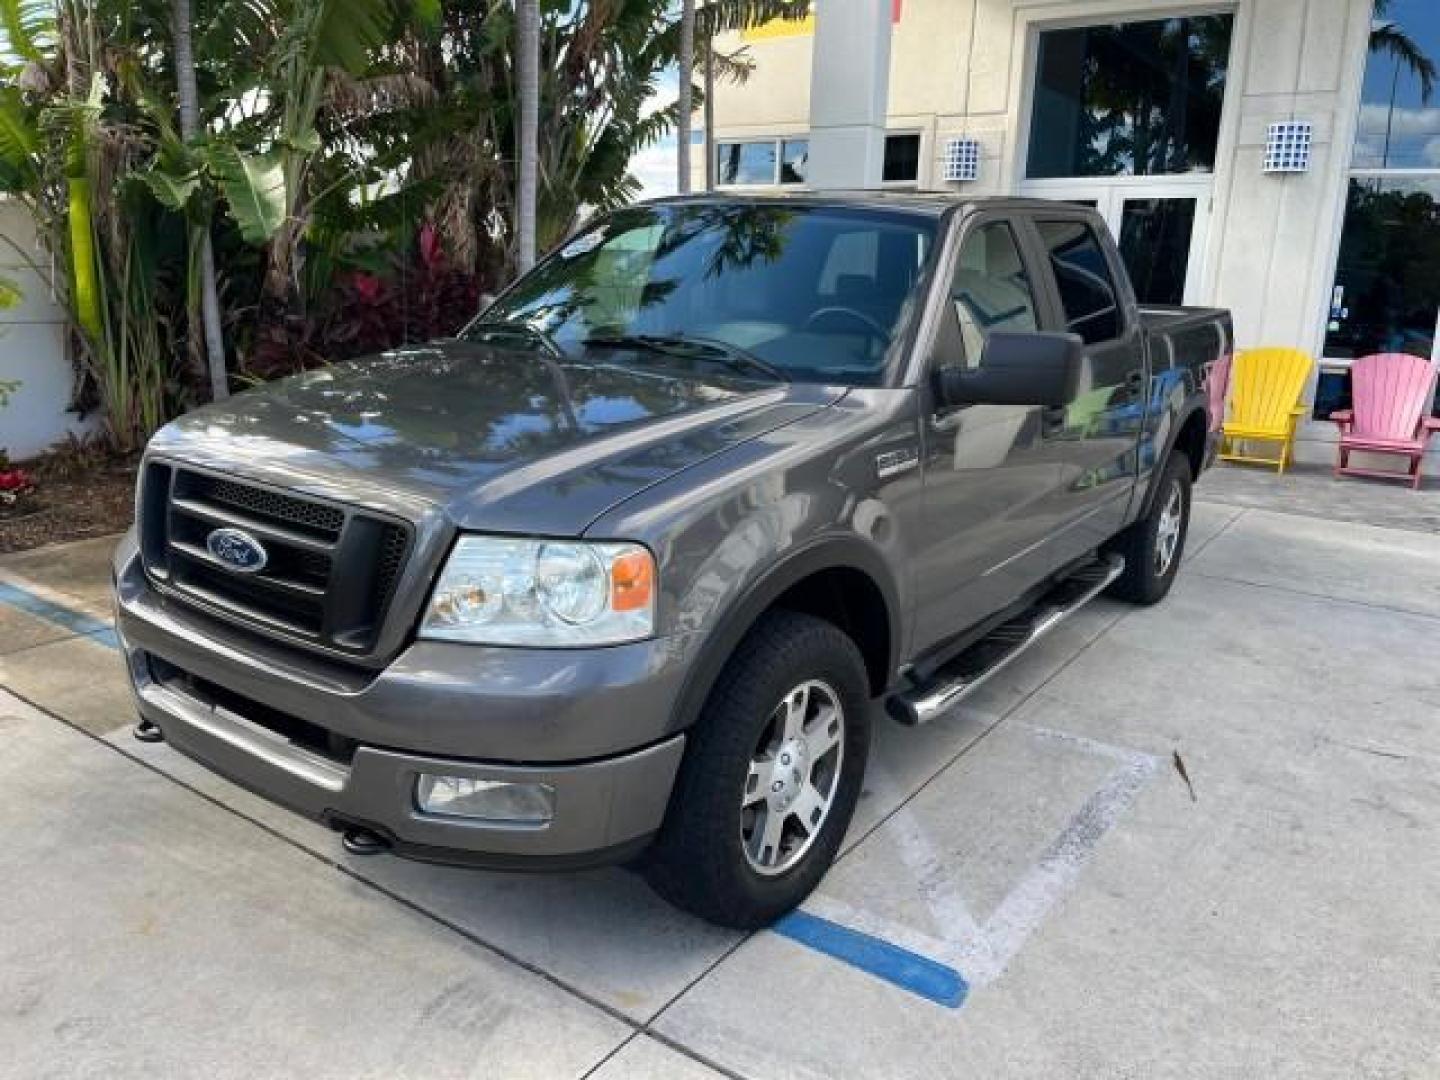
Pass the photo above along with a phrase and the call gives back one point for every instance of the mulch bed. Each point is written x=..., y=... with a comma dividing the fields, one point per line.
x=73, y=500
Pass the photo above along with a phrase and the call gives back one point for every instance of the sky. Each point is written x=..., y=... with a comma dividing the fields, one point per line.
x=654, y=166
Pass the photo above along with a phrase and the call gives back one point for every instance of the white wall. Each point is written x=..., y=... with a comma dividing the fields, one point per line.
x=32, y=347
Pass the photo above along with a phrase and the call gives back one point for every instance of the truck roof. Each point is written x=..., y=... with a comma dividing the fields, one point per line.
x=933, y=203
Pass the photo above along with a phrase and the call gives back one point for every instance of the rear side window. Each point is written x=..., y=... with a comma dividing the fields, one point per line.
x=1087, y=288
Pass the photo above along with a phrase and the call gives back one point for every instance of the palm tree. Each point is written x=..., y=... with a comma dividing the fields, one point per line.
x=1387, y=37
x=189, y=99
x=709, y=113
x=527, y=63
x=684, y=108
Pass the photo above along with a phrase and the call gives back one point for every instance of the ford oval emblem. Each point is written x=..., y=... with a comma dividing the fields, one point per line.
x=237, y=550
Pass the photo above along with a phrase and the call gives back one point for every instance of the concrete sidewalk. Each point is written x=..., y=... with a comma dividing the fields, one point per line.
x=1039, y=845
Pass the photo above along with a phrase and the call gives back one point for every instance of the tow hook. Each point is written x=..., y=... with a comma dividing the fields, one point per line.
x=147, y=732
x=360, y=841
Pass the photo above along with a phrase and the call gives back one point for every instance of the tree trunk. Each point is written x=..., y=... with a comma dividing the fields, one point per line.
x=684, y=106
x=709, y=47
x=527, y=64
x=189, y=95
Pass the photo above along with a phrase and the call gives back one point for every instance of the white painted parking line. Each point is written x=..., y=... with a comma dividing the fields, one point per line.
x=979, y=952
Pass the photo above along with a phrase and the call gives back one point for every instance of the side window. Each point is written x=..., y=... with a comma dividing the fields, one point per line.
x=991, y=290
x=1087, y=289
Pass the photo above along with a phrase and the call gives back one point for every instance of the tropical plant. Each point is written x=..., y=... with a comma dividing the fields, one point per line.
x=205, y=331
x=242, y=187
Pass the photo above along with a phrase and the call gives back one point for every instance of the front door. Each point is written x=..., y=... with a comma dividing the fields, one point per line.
x=990, y=470
x=1159, y=224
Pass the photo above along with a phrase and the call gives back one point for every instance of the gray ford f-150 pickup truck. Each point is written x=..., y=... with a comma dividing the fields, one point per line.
x=621, y=572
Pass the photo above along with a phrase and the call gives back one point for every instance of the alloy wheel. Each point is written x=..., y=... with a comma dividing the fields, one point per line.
x=793, y=777
x=1168, y=529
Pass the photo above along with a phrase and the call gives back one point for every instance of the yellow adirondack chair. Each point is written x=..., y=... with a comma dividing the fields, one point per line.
x=1265, y=389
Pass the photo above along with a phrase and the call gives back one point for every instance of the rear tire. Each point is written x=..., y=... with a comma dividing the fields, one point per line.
x=771, y=775
x=1154, y=545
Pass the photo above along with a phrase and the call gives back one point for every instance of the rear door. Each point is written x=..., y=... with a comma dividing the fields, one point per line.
x=990, y=474
x=1094, y=444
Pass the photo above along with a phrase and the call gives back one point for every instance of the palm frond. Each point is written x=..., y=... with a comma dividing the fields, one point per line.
x=719, y=16
x=29, y=28
x=1390, y=39
x=374, y=94
x=19, y=138
x=343, y=32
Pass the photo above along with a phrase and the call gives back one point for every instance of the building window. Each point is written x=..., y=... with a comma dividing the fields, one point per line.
x=762, y=162
x=1135, y=99
x=747, y=163
x=1386, y=295
x=794, y=154
x=902, y=158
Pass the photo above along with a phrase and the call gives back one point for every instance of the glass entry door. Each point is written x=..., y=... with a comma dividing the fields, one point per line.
x=1126, y=117
x=1159, y=225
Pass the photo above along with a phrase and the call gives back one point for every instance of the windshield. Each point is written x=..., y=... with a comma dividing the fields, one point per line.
x=812, y=294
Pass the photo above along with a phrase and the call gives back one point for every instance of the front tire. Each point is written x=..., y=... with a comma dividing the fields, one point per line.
x=1154, y=545
x=771, y=775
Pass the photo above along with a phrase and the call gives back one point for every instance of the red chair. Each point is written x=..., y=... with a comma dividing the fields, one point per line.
x=1392, y=393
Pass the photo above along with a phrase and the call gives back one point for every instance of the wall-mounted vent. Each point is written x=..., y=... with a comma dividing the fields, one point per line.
x=962, y=160
x=1287, y=147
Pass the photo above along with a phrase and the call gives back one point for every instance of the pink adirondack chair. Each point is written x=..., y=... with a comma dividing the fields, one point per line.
x=1217, y=387
x=1392, y=393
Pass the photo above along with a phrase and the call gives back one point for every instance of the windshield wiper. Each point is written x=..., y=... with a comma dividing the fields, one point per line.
x=731, y=356
x=518, y=329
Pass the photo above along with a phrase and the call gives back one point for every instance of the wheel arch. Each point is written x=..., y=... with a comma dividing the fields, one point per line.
x=1188, y=437
x=839, y=579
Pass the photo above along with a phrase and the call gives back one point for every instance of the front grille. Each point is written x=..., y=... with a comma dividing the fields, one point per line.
x=330, y=571
x=314, y=518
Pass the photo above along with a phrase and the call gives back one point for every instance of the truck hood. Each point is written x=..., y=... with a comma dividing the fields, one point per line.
x=498, y=438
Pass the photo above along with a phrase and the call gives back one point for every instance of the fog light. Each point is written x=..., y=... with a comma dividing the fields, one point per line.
x=489, y=800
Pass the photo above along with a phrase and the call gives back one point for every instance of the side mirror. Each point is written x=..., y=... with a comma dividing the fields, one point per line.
x=1017, y=369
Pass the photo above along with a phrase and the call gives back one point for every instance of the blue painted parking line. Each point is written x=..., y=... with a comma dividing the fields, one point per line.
x=908, y=970
x=75, y=621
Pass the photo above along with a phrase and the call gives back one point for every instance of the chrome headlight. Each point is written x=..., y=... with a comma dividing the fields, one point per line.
x=501, y=591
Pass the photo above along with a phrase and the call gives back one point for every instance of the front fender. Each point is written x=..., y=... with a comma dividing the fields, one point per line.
x=740, y=613
x=732, y=534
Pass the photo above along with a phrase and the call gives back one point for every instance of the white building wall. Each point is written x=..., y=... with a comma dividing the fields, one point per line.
x=32, y=346
x=965, y=67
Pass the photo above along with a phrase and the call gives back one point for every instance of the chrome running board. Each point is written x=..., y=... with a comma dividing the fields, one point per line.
x=967, y=672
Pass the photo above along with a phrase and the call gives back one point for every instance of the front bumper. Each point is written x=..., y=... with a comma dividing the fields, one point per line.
x=194, y=682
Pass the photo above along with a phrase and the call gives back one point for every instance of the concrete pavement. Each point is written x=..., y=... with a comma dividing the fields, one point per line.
x=1039, y=844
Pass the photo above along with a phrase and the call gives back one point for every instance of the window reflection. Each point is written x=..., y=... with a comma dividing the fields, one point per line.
x=816, y=292
x=1155, y=245
x=1399, y=124
x=1133, y=99
x=1387, y=284
x=1387, y=279
x=747, y=163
